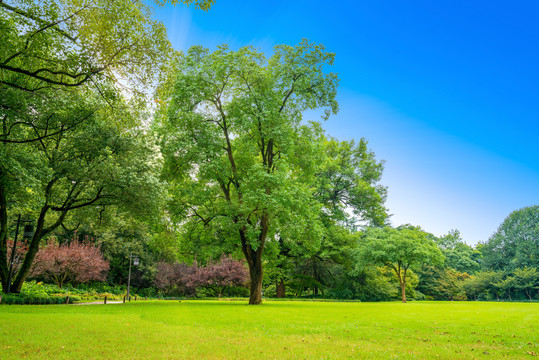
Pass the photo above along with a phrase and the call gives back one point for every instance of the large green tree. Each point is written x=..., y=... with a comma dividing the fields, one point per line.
x=399, y=250
x=235, y=141
x=69, y=43
x=516, y=242
x=93, y=165
x=459, y=255
x=66, y=70
x=346, y=186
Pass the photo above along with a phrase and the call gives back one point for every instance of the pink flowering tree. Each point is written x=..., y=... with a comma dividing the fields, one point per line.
x=75, y=262
x=175, y=277
x=218, y=276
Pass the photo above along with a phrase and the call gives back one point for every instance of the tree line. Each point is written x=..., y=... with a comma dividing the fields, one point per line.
x=185, y=158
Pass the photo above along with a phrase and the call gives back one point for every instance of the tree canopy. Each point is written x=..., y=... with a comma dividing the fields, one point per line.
x=516, y=242
x=236, y=143
x=399, y=249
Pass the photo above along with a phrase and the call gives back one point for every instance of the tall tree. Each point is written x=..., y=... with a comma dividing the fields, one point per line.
x=516, y=242
x=236, y=142
x=64, y=64
x=459, y=255
x=95, y=164
x=51, y=44
x=399, y=250
x=347, y=188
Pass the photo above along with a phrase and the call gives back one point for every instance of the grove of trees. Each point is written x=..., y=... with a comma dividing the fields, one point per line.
x=203, y=165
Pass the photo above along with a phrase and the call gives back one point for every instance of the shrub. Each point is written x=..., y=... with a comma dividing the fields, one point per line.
x=76, y=262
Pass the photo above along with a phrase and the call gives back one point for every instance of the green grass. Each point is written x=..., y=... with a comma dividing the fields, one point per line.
x=275, y=330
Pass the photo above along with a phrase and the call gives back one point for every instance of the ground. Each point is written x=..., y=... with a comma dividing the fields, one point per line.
x=275, y=330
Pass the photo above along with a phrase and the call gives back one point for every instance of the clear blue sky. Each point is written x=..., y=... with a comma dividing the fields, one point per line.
x=446, y=92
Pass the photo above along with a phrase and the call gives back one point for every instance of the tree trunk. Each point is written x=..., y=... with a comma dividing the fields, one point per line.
x=33, y=248
x=403, y=290
x=281, y=292
x=255, y=273
x=4, y=267
x=254, y=260
x=402, y=280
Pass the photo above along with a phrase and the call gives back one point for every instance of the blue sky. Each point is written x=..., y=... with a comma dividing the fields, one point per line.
x=447, y=93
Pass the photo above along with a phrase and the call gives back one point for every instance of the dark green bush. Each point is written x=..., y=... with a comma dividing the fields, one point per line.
x=29, y=299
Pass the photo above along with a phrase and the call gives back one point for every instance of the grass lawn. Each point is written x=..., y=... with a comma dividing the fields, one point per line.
x=275, y=330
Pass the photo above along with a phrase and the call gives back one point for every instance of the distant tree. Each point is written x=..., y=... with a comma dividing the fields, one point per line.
x=220, y=275
x=506, y=285
x=442, y=283
x=175, y=277
x=527, y=280
x=399, y=250
x=482, y=285
x=516, y=242
x=459, y=255
x=75, y=262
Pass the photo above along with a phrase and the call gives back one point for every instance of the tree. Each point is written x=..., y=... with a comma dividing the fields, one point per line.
x=75, y=261
x=220, y=275
x=347, y=188
x=399, y=249
x=175, y=276
x=348, y=180
x=527, y=280
x=235, y=142
x=505, y=285
x=442, y=283
x=516, y=242
x=63, y=64
x=94, y=165
x=51, y=44
x=458, y=255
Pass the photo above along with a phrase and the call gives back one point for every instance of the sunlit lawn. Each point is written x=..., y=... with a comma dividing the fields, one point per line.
x=275, y=330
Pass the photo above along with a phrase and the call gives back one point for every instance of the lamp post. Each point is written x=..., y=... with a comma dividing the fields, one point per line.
x=28, y=233
x=135, y=261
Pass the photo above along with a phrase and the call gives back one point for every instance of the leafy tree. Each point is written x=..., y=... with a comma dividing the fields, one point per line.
x=482, y=284
x=516, y=242
x=233, y=140
x=75, y=262
x=398, y=249
x=442, y=283
x=505, y=285
x=220, y=275
x=527, y=280
x=348, y=181
x=367, y=283
x=175, y=277
x=63, y=65
x=94, y=165
x=458, y=255
x=71, y=43
x=348, y=190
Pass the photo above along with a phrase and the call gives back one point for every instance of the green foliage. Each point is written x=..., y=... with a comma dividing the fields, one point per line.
x=516, y=242
x=480, y=286
x=348, y=180
x=458, y=255
x=442, y=283
x=231, y=140
x=76, y=43
x=526, y=280
x=399, y=250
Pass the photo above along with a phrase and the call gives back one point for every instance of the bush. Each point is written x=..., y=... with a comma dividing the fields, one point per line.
x=31, y=299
